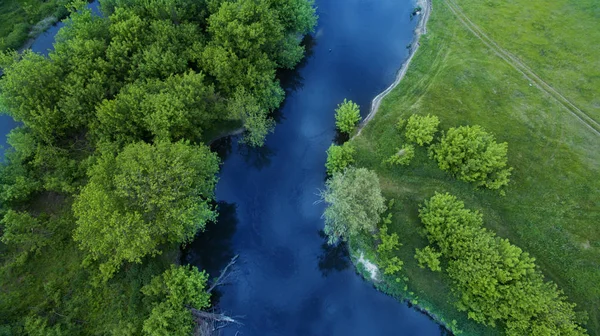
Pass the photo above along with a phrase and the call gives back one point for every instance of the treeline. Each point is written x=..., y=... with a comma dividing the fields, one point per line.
x=108, y=173
x=496, y=282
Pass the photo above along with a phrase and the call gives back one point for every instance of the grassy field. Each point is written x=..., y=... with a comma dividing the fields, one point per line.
x=552, y=205
x=20, y=19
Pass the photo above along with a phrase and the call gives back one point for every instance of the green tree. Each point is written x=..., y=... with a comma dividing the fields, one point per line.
x=402, y=157
x=497, y=282
x=339, y=158
x=471, y=154
x=421, y=129
x=255, y=118
x=347, y=116
x=354, y=203
x=171, y=296
x=429, y=257
x=145, y=196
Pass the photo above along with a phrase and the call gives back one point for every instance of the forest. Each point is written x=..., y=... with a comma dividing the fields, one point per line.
x=109, y=172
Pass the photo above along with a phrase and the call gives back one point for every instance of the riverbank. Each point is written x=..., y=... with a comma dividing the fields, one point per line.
x=20, y=25
x=552, y=201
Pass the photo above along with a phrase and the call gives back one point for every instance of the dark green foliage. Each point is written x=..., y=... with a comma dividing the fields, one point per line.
x=473, y=155
x=497, y=282
x=347, y=116
x=108, y=168
x=339, y=158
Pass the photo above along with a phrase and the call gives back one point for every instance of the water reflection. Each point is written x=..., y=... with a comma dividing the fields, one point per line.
x=257, y=157
x=333, y=258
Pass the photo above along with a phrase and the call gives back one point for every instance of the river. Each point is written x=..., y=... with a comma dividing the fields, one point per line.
x=287, y=281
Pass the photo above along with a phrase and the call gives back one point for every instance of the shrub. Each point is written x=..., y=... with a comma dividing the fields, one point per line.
x=347, y=116
x=339, y=158
x=429, y=257
x=402, y=157
x=471, y=154
x=421, y=129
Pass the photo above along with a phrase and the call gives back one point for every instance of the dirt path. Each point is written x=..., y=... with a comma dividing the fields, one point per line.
x=522, y=68
x=419, y=30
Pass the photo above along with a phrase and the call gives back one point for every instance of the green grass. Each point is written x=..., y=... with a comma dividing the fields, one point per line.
x=552, y=205
x=19, y=19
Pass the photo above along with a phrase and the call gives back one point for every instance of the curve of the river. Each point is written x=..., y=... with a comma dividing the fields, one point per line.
x=287, y=281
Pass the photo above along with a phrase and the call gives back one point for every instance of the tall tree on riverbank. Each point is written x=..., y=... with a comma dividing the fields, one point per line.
x=354, y=203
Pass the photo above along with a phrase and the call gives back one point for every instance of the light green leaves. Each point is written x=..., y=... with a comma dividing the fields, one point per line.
x=421, y=129
x=339, y=158
x=145, y=196
x=473, y=155
x=347, y=116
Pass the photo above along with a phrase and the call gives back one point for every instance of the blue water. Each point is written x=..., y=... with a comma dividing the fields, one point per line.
x=287, y=280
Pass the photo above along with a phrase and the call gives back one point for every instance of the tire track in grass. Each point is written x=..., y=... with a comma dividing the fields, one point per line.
x=518, y=65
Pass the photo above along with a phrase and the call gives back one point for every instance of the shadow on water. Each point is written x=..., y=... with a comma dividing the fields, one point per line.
x=333, y=258
x=257, y=157
x=212, y=249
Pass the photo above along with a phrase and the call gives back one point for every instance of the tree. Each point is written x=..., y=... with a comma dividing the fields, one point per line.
x=145, y=196
x=347, y=116
x=402, y=157
x=339, y=158
x=172, y=295
x=429, y=257
x=255, y=118
x=496, y=281
x=421, y=129
x=354, y=201
x=471, y=154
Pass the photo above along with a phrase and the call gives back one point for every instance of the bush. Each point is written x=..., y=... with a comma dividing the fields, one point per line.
x=473, y=155
x=347, y=116
x=496, y=281
x=339, y=157
x=429, y=257
x=421, y=129
x=402, y=157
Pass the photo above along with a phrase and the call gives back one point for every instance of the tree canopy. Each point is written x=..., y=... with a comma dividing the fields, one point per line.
x=108, y=166
x=354, y=203
x=339, y=158
x=496, y=282
x=473, y=155
x=421, y=129
x=144, y=196
x=347, y=116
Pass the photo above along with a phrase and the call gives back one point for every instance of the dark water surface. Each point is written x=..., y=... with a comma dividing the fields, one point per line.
x=288, y=282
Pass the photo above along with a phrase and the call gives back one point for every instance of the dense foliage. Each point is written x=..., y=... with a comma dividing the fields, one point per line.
x=347, y=116
x=473, y=155
x=108, y=173
x=496, y=282
x=354, y=203
x=421, y=129
x=387, y=247
x=339, y=158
